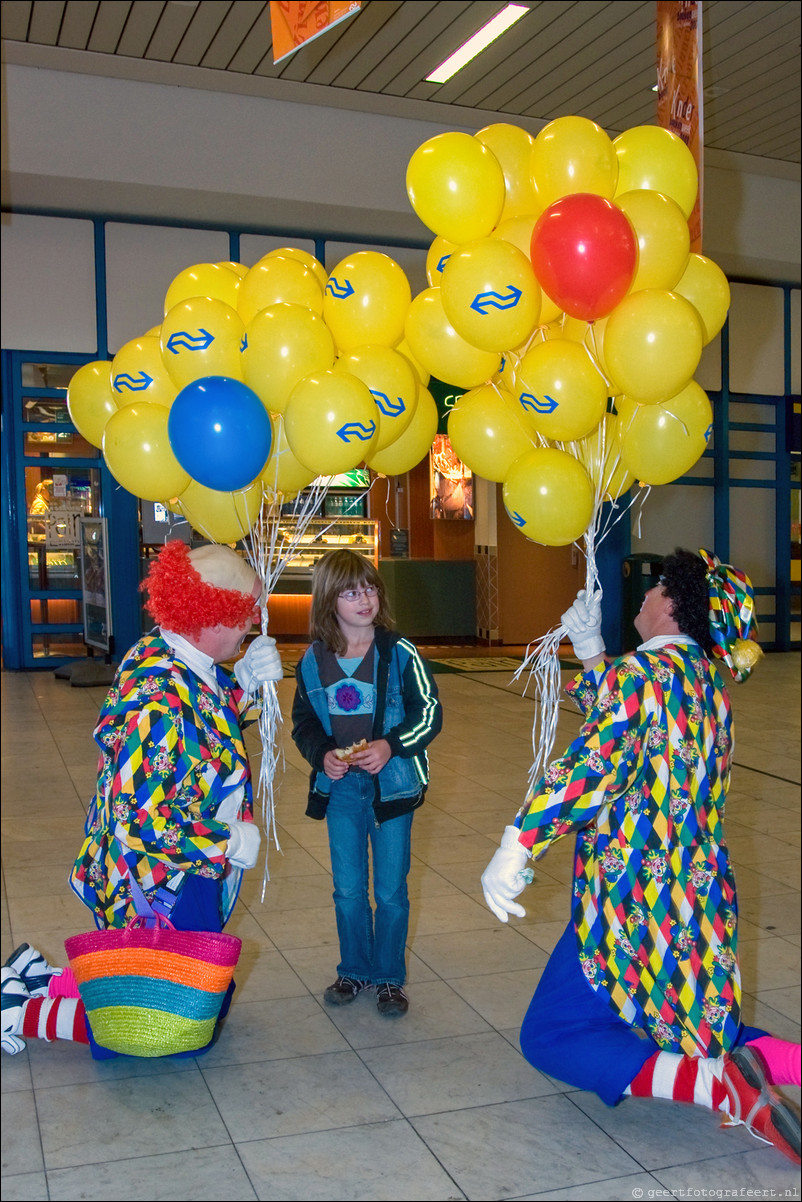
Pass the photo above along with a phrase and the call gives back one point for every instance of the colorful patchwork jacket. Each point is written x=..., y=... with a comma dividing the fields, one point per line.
x=170, y=750
x=644, y=785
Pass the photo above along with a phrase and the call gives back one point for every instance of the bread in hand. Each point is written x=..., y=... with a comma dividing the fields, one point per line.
x=346, y=754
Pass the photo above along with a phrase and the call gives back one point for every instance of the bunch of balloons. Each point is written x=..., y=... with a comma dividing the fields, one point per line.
x=565, y=299
x=257, y=382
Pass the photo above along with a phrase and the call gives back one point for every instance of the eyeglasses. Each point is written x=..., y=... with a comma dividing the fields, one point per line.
x=353, y=594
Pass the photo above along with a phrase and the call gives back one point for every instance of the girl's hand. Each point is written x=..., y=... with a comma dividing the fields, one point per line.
x=334, y=767
x=374, y=758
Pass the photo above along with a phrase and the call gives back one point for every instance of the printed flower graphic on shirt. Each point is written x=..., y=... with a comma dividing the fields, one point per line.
x=348, y=698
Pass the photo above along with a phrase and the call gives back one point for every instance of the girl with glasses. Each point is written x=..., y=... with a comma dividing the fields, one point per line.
x=362, y=683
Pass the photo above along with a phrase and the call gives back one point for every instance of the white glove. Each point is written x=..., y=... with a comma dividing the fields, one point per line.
x=243, y=843
x=260, y=663
x=583, y=623
x=506, y=876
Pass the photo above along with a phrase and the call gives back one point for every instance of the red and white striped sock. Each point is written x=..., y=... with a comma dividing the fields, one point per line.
x=680, y=1079
x=55, y=1018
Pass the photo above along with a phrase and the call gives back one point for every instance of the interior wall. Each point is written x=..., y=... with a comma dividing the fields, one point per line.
x=93, y=144
x=536, y=584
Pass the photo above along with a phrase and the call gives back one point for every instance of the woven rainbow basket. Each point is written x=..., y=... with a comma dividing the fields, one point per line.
x=153, y=991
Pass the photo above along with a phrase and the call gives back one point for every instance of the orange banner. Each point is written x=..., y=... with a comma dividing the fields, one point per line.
x=679, y=86
x=295, y=23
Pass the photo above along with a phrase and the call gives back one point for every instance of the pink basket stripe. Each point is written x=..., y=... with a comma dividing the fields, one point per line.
x=211, y=948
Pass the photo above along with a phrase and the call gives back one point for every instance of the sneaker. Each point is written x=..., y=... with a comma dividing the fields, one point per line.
x=750, y=1100
x=33, y=969
x=14, y=996
x=391, y=1001
x=344, y=990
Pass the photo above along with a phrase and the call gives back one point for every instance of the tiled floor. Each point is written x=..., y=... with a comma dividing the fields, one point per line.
x=298, y=1101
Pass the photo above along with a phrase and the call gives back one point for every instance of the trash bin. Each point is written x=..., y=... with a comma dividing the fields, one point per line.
x=641, y=572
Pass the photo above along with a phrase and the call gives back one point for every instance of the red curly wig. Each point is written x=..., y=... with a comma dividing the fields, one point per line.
x=180, y=600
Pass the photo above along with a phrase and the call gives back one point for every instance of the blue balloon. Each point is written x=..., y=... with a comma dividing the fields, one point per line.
x=220, y=432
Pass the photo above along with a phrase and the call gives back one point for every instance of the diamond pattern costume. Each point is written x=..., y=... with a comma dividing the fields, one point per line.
x=644, y=785
x=171, y=749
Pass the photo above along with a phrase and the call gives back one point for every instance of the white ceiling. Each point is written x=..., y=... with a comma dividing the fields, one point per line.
x=566, y=56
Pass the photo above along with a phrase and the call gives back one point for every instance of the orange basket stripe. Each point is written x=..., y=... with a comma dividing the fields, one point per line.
x=147, y=962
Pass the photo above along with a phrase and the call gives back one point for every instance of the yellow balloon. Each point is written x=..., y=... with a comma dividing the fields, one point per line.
x=439, y=348
x=664, y=240
x=652, y=345
x=138, y=373
x=512, y=146
x=549, y=309
x=202, y=337
x=518, y=231
x=422, y=375
x=408, y=450
x=366, y=301
x=136, y=447
x=456, y=186
x=283, y=474
x=330, y=422
x=559, y=390
x=660, y=443
x=283, y=344
x=654, y=158
x=302, y=256
x=600, y=455
x=239, y=269
x=393, y=386
x=436, y=258
x=705, y=285
x=488, y=432
x=572, y=329
x=594, y=343
x=507, y=372
x=549, y=497
x=91, y=400
x=275, y=280
x=490, y=294
x=204, y=279
x=222, y=517
x=573, y=154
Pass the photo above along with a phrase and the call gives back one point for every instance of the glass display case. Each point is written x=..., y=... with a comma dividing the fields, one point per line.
x=323, y=535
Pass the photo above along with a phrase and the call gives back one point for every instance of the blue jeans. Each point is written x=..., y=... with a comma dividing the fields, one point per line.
x=372, y=946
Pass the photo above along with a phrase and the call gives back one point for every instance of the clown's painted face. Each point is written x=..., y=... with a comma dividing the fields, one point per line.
x=223, y=642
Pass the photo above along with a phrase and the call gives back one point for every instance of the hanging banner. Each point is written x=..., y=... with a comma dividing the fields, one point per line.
x=294, y=22
x=679, y=86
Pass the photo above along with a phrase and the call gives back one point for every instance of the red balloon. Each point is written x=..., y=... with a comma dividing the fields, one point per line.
x=585, y=253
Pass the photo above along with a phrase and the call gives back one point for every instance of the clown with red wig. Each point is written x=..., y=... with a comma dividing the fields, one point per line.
x=172, y=814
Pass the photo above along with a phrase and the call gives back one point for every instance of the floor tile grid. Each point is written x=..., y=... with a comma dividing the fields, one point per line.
x=437, y=966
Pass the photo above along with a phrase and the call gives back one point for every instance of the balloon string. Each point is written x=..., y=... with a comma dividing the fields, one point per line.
x=272, y=543
x=541, y=666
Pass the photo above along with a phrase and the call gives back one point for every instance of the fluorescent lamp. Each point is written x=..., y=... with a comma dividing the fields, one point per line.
x=476, y=44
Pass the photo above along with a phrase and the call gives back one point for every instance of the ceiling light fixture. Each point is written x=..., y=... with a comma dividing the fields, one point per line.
x=476, y=44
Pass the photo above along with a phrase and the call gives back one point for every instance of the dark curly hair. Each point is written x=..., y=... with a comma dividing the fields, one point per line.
x=683, y=576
